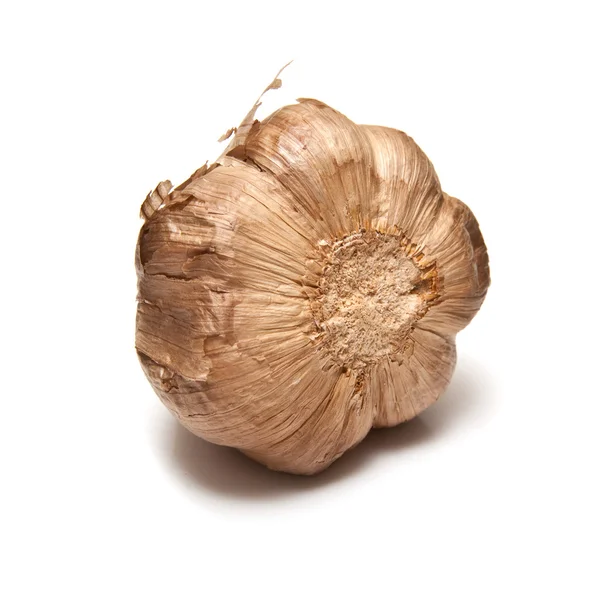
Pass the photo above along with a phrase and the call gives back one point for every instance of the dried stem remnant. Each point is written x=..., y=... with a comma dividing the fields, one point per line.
x=306, y=287
x=372, y=294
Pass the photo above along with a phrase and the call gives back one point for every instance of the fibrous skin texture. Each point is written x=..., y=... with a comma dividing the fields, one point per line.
x=306, y=287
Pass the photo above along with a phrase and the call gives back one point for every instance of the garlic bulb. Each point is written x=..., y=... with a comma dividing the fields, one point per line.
x=305, y=287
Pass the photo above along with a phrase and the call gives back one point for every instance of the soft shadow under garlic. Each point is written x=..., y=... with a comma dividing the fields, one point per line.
x=227, y=472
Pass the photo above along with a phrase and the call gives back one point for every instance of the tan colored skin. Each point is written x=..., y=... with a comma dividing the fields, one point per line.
x=257, y=326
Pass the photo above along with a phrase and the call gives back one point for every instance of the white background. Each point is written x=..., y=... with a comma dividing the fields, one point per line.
x=492, y=493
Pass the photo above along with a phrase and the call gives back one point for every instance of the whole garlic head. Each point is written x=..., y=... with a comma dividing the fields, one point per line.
x=306, y=287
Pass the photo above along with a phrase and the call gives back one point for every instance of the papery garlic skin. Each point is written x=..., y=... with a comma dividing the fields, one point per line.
x=256, y=326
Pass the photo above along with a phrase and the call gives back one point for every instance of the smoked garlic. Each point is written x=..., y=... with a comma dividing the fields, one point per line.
x=305, y=287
